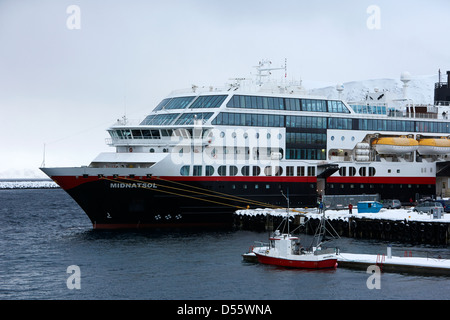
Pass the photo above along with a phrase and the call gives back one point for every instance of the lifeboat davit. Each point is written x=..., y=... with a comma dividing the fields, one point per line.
x=395, y=145
x=434, y=146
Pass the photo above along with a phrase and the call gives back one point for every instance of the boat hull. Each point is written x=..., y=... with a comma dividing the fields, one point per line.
x=309, y=262
x=174, y=202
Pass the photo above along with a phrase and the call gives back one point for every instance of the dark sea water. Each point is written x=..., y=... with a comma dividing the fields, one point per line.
x=43, y=232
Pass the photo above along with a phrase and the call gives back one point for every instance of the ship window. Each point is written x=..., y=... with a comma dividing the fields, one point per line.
x=351, y=171
x=233, y=170
x=289, y=171
x=164, y=132
x=256, y=171
x=178, y=103
x=362, y=171
x=197, y=171
x=245, y=170
x=184, y=171
x=278, y=171
x=208, y=102
x=126, y=134
x=209, y=171
x=372, y=171
x=160, y=119
x=146, y=134
x=268, y=171
x=137, y=134
x=340, y=123
x=337, y=107
x=222, y=171
x=162, y=104
x=156, y=134
x=292, y=104
x=314, y=105
x=188, y=118
x=311, y=171
x=343, y=171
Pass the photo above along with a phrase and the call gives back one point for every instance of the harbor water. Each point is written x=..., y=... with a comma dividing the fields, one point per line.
x=46, y=240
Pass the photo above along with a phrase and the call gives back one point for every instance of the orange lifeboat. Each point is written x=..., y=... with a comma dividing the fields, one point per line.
x=395, y=145
x=434, y=146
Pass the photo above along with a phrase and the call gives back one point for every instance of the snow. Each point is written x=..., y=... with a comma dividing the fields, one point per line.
x=420, y=89
x=405, y=261
x=24, y=184
x=385, y=214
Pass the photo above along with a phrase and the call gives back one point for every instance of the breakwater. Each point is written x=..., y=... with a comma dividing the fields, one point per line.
x=404, y=226
x=27, y=184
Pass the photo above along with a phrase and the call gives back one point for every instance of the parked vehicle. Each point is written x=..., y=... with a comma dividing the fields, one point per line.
x=392, y=204
x=426, y=206
x=445, y=204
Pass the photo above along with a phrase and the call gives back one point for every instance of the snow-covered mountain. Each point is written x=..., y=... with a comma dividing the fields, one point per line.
x=420, y=89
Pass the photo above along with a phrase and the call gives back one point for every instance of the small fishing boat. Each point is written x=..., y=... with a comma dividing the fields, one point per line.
x=286, y=250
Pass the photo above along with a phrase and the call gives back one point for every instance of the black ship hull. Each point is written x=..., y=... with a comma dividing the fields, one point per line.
x=117, y=203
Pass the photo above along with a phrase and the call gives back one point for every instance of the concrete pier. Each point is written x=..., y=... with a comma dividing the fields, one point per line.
x=417, y=265
x=389, y=225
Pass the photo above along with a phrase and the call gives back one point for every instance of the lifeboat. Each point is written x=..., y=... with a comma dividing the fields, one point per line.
x=434, y=146
x=395, y=145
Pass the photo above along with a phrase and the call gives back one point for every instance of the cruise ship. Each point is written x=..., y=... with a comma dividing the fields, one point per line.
x=204, y=152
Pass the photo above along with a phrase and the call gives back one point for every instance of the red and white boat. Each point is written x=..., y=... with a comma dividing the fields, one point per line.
x=285, y=250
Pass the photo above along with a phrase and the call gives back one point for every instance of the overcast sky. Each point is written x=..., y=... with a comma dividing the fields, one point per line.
x=64, y=87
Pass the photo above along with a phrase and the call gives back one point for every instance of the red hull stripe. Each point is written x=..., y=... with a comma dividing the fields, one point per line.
x=69, y=182
x=330, y=263
x=383, y=180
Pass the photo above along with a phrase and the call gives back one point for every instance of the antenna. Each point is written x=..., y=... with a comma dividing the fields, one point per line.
x=264, y=68
x=285, y=68
x=288, y=209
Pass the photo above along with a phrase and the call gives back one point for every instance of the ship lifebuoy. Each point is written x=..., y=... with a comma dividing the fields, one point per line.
x=130, y=150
